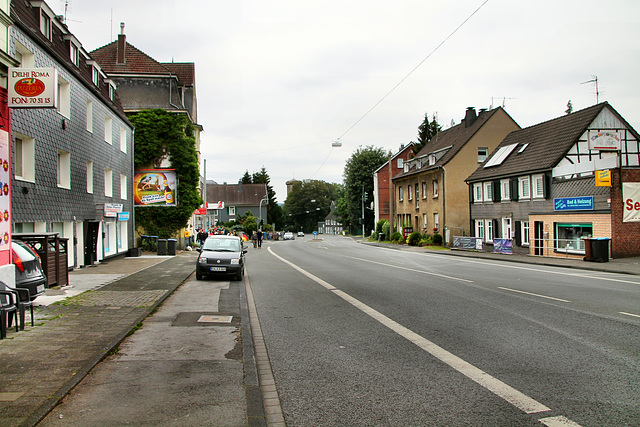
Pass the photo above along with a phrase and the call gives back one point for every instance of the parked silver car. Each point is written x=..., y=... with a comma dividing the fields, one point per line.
x=29, y=272
x=221, y=255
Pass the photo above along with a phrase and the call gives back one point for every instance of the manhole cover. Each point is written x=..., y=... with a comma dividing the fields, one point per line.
x=211, y=318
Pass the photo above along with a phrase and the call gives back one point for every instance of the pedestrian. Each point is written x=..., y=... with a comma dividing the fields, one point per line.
x=259, y=233
x=202, y=236
x=254, y=239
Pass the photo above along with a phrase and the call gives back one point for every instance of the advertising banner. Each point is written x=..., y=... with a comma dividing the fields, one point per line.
x=5, y=180
x=502, y=246
x=33, y=87
x=468, y=243
x=155, y=187
x=631, y=197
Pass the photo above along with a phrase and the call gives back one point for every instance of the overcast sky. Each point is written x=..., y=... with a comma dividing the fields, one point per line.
x=278, y=81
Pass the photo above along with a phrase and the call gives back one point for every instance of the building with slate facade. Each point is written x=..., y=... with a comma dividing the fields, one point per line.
x=72, y=166
x=537, y=190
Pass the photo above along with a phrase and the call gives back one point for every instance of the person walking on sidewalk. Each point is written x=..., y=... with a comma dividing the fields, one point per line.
x=259, y=238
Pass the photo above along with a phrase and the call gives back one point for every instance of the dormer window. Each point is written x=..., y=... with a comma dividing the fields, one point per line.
x=73, y=53
x=95, y=76
x=112, y=90
x=45, y=24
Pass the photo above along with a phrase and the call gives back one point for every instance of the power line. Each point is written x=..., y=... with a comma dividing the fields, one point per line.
x=414, y=69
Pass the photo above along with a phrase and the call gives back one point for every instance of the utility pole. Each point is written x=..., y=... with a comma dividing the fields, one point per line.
x=364, y=195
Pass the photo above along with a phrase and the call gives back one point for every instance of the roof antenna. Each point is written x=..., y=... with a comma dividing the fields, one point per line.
x=594, y=79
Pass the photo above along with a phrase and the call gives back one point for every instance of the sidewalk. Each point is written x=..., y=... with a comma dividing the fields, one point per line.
x=38, y=366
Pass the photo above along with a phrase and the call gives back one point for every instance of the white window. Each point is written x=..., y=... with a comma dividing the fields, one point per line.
x=435, y=188
x=506, y=228
x=409, y=192
x=90, y=177
x=108, y=183
x=73, y=53
x=417, y=196
x=64, y=97
x=504, y=190
x=24, y=56
x=400, y=163
x=123, y=187
x=24, y=161
x=424, y=220
x=483, y=152
x=524, y=190
x=480, y=228
x=406, y=167
x=89, y=115
x=424, y=190
x=477, y=192
x=488, y=191
x=232, y=210
x=112, y=92
x=64, y=169
x=123, y=140
x=108, y=131
x=489, y=226
x=538, y=186
x=45, y=24
x=95, y=75
x=400, y=193
x=525, y=233
x=436, y=221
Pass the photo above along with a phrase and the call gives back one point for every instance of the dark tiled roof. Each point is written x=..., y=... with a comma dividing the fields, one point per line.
x=548, y=143
x=237, y=194
x=186, y=71
x=455, y=137
x=136, y=61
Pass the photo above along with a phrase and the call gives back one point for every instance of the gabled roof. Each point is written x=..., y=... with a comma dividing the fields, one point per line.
x=136, y=62
x=237, y=194
x=452, y=140
x=186, y=71
x=403, y=149
x=548, y=143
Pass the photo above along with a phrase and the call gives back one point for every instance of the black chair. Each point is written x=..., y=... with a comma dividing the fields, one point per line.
x=8, y=310
x=23, y=301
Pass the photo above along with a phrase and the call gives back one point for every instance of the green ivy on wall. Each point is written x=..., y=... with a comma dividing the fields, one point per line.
x=156, y=132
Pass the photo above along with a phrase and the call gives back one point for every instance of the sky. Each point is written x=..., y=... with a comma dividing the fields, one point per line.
x=278, y=81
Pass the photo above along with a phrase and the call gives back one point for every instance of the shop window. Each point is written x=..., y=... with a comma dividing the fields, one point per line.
x=569, y=237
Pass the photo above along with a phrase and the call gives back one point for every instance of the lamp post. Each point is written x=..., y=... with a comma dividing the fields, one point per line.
x=264, y=199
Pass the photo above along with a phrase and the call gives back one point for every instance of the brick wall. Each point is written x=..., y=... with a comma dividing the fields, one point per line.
x=625, y=235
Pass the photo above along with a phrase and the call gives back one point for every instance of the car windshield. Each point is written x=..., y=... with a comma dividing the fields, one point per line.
x=222, y=245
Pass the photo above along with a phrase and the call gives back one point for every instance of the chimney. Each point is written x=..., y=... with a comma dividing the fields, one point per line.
x=122, y=45
x=470, y=117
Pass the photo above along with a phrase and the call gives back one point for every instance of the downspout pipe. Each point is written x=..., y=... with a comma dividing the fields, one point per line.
x=444, y=204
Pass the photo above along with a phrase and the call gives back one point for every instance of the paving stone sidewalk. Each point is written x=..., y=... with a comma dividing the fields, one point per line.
x=38, y=366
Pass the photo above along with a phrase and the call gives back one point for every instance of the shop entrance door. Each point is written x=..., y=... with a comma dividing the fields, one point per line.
x=91, y=229
x=538, y=238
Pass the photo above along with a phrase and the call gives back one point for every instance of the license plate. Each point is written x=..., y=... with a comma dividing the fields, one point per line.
x=218, y=269
x=40, y=288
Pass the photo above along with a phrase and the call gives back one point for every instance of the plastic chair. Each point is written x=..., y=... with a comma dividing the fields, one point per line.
x=8, y=310
x=23, y=301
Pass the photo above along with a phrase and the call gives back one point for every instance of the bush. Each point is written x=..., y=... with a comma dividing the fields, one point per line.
x=437, y=239
x=380, y=228
x=396, y=237
x=386, y=229
x=414, y=238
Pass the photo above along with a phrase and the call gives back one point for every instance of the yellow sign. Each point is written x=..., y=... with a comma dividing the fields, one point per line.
x=603, y=178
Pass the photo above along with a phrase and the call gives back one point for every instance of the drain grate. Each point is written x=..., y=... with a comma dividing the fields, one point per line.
x=215, y=318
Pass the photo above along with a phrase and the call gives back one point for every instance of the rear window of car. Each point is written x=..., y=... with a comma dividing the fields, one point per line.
x=23, y=251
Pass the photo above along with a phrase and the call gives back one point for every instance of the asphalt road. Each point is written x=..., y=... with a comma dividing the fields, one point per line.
x=359, y=335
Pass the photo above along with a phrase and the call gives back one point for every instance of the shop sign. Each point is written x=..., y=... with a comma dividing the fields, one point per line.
x=584, y=203
x=111, y=210
x=33, y=88
x=123, y=216
x=631, y=197
x=603, y=178
x=604, y=140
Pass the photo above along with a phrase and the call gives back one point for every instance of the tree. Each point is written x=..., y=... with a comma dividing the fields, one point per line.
x=246, y=178
x=308, y=203
x=358, y=179
x=158, y=131
x=426, y=131
x=262, y=177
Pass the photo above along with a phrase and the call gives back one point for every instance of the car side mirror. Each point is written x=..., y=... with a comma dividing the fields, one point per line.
x=244, y=251
x=199, y=249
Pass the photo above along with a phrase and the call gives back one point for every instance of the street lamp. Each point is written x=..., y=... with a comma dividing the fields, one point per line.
x=264, y=199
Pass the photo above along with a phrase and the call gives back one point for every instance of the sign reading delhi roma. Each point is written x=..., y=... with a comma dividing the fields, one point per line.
x=33, y=88
x=631, y=197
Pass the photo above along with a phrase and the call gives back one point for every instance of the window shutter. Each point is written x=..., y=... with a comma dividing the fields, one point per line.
x=496, y=231
x=514, y=188
x=546, y=186
x=518, y=233
x=496, y=191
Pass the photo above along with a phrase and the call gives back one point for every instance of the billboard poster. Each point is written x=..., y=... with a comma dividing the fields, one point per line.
x=631, y=197
x=502, y=246
x=5, y=180
x=155, y=187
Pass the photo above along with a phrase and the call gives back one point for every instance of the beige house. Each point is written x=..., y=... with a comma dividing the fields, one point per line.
x=431, y=195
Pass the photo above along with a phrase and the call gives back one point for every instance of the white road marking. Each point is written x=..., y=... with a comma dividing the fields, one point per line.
x=559, y=421
x=629, y=314
x=506, y=392
x=532, y=294
x=412, y=269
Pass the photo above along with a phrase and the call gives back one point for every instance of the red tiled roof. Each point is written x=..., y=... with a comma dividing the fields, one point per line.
x=184, y=70
x=136, y=61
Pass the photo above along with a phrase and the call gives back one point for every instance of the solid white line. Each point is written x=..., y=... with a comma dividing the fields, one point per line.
x=629, y=314
x=560, y=421
x=506, y=392
x=532, y=294
x=412, y=269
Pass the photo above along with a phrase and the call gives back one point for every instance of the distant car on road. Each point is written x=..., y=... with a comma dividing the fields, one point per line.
x=221, y=255
x=29, y=272
x=288, y=236
x=300, y=234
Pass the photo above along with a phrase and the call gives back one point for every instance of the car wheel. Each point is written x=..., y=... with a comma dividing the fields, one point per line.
x=238, y=275
x=198, y=275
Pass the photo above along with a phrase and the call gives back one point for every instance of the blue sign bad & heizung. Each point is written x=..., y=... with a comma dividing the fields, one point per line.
x=584, y=203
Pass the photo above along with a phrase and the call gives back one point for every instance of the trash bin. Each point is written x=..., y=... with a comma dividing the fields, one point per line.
x=600, y=249
x=162, y=246
x=171, y=246
x=587, y=248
